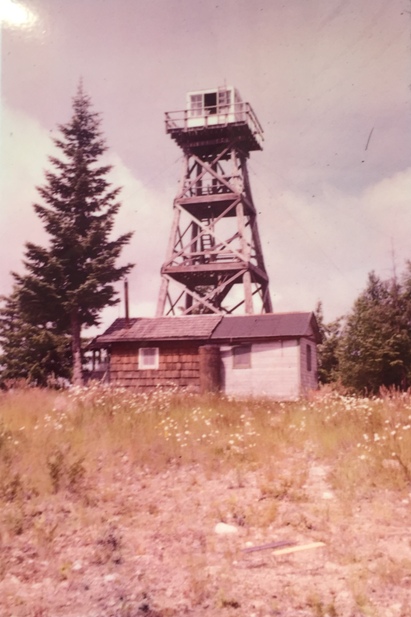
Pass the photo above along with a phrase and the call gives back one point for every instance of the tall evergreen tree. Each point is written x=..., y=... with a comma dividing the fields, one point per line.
x=70, y=281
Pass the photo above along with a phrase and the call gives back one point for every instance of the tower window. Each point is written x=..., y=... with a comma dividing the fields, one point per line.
x=196, y=105
x=224, y=100
x=210, y=102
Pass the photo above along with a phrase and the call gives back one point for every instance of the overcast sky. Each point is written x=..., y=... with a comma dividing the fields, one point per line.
x=328, y=79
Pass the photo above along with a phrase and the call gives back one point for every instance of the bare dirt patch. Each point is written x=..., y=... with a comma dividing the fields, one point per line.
x=139, y=542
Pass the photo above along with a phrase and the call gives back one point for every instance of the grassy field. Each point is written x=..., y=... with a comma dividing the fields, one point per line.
x=104, y=486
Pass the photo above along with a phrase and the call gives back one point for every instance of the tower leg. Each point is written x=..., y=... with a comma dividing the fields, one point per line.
x=162, y=297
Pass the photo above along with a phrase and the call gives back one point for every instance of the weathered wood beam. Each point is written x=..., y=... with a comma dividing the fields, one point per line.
x=191, y=182
x=205, y=229
x=196, y=296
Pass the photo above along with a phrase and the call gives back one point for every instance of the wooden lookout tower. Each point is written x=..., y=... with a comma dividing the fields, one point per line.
x=214, y=261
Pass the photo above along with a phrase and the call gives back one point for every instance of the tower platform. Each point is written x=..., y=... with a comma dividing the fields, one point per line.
x=212, y=118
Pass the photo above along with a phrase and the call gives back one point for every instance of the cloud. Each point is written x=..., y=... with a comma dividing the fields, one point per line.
x=25, y=145
x=322, y=247
x=148, y=213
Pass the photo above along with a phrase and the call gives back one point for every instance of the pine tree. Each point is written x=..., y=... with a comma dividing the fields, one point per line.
x=31, y=353
x=70, y=281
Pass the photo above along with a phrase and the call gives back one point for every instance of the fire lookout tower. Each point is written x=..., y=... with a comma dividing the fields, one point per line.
x=214, y=261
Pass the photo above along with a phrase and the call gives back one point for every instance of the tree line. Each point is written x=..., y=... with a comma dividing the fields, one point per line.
x=370, y=348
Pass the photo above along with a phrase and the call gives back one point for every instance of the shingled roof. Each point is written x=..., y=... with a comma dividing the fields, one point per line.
x=160, y=329
x=211, y=328
x=277, y=325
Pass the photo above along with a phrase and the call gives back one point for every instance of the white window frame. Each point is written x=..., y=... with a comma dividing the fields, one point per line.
x=223, y=100
x=143, y=356
x=241, y=366
x=196, y=105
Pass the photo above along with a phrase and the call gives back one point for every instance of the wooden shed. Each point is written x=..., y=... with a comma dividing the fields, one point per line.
x=271, y=355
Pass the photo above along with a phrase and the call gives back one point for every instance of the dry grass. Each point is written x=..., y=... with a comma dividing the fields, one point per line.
x=70, y=461
x=47, y=441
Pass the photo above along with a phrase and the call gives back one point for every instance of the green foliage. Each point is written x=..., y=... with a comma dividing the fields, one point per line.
x=328, y=361
x=68, y=283
x=370, y=348
x=33, y=353
x=375, y=348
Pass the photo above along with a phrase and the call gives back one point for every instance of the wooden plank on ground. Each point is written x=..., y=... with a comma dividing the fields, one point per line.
x=283, y=547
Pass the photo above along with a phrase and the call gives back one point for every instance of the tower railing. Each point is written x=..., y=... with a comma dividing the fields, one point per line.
x=214, y=116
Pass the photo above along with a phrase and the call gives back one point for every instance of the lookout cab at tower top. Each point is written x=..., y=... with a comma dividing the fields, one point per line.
x=215, y=117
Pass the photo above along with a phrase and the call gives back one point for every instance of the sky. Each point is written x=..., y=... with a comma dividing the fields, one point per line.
x=328, y=79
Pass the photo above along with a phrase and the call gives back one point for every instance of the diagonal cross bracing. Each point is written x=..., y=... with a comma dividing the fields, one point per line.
x=214, y=250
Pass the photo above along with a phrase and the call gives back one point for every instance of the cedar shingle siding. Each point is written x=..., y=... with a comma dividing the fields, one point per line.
x=178, y=366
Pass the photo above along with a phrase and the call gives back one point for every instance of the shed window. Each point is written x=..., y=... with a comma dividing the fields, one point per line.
x=148, y=358
x=242, y=356
x=309, y=358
